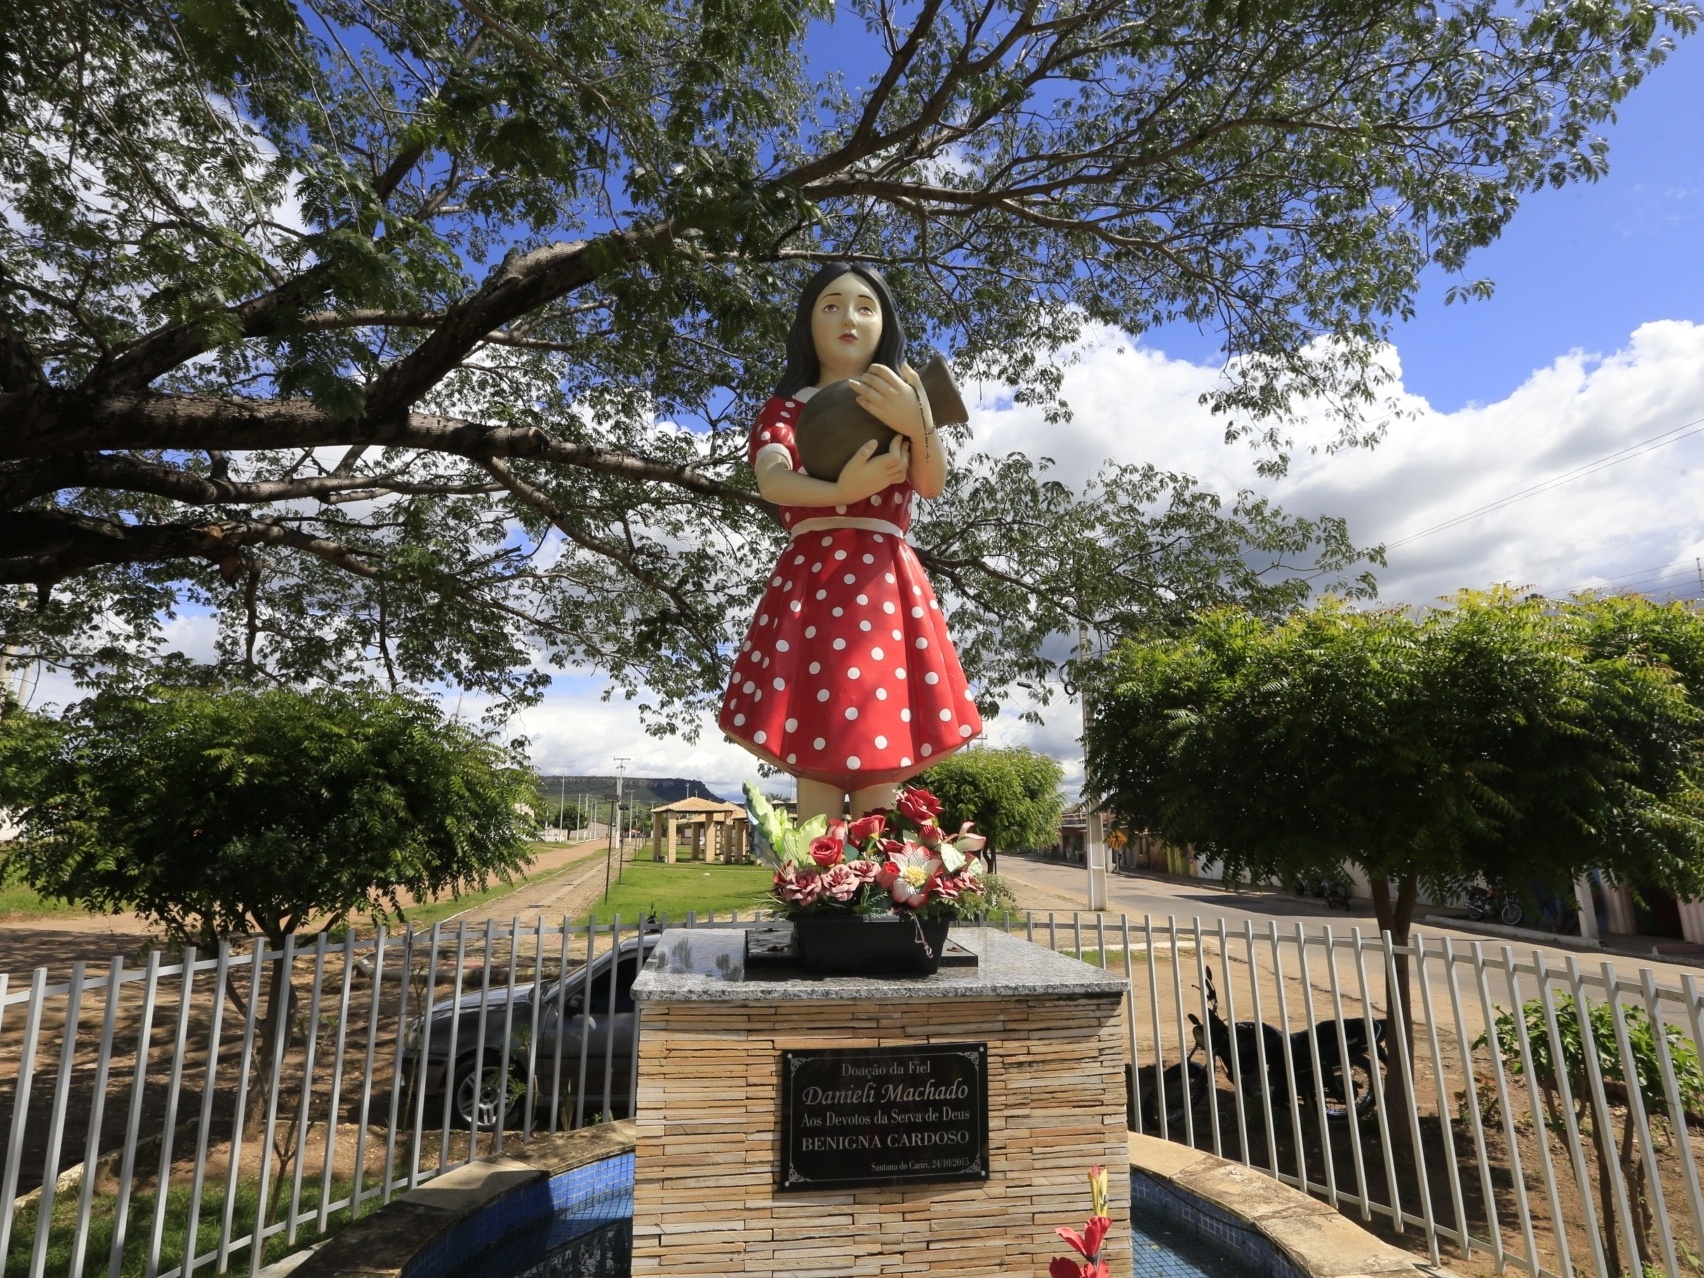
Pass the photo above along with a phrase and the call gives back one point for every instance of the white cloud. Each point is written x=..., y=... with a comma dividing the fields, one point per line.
x=1136, y=405
x=575, y=733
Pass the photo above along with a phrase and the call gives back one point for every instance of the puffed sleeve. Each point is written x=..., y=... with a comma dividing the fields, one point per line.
x=774, y=433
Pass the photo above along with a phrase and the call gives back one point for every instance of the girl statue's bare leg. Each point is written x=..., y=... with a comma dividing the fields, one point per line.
x=872, y=797
x=819, y=797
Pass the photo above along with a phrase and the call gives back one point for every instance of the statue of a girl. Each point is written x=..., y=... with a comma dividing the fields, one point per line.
x=847, y=678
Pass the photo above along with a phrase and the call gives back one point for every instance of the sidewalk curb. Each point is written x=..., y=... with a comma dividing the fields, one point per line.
x=1562, y=941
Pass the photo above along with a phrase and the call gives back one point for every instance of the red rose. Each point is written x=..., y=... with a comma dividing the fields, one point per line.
x=866, y=828
x=890, y=847
x=826, y=850
x=919, y=805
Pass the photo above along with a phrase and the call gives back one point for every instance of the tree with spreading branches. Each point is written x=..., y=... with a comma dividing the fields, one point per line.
x=1514, y=740
x=420, y=338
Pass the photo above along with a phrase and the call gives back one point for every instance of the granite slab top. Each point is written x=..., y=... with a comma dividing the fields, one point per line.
x=708, y=966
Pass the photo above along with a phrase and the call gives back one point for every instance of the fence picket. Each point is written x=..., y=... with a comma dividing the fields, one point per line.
x=198, y=1178
x=245, y=1060
x=127, y=1164
x=1446, y=1136
x=1545, y=1164
x=1565, y=1087
x=371, y=1055
x=56, y=1119
x=305, y=1110
x=1235, y=1054
x=1676, y=1106
x=1393, y=1208
x=1636, y=1106
x=97, y=1115
x=168, y=1125
x=21, y=1105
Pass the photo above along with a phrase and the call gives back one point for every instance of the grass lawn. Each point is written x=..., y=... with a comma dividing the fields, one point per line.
x=649, y=887
x=174, y=1234
x=18, y=902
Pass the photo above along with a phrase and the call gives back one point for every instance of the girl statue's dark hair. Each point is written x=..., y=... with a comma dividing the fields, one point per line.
x=803, y=368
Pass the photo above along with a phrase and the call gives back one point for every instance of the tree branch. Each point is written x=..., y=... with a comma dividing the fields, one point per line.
x=20, y=370
x=560, y=520
x=73, y=423
x=522, y=283
x=46, y=546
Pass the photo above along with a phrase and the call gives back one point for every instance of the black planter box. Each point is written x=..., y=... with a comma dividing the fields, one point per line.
x=870, y=945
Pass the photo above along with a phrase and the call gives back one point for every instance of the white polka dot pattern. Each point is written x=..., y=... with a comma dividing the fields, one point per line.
x=839, y=709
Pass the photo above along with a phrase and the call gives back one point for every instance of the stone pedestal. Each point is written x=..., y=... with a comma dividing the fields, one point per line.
x=708, y=1150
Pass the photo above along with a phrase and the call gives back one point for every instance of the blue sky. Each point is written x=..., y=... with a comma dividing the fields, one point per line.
x=1582, y=266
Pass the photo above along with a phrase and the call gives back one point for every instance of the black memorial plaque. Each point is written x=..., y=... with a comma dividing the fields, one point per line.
x=884, y=1116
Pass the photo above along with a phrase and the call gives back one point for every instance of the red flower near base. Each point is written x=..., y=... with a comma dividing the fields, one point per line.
x=826, y=851
x=1065, y=1267
x=866, y=828
x=921, y=806
x=1088, y=1243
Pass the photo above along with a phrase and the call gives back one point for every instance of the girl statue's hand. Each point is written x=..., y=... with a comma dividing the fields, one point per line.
x=867, y=473
x=891, y=399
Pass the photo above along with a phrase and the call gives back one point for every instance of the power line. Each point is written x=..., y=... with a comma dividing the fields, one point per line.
x=1645, y=580
x=1672, y=436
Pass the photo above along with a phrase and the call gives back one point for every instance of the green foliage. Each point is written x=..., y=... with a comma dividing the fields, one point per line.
x=1641, y=1039
x=1519, y=740
x=1625, y=1162
x=370, y=328
x=224, y=812
x=994, y=901
x=174, y=1234
x=1012, y=795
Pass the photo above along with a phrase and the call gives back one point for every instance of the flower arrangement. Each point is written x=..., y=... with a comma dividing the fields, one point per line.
x=1088, y=1243
x=897, y=861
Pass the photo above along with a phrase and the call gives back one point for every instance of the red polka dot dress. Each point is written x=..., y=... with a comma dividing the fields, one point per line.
x=847, y=675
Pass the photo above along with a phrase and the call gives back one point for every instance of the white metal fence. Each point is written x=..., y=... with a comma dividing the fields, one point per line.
x=163, y=1118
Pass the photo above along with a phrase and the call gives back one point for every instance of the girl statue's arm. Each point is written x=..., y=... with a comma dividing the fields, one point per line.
x=866, y=474
x=928, y=456
x=899, y=401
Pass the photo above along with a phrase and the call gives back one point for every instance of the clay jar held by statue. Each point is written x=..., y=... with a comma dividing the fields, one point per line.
x=833, y=426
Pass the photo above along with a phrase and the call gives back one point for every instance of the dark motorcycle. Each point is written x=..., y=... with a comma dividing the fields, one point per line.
x=1171, y=1084
x=1334, y=890
x=1494, y=903
x=1346, y=1086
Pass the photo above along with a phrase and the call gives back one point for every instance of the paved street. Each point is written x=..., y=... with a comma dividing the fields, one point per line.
x=1054, y=885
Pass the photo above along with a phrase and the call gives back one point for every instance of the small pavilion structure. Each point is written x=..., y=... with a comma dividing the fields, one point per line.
x=711, y=829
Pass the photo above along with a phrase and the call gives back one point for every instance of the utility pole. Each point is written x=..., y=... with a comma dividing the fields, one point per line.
x=610, y=850
x=562, y=806
x=620, y=769
x=1094, y=828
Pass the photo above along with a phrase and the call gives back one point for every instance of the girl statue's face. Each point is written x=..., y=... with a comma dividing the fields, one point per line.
x=846, y=326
